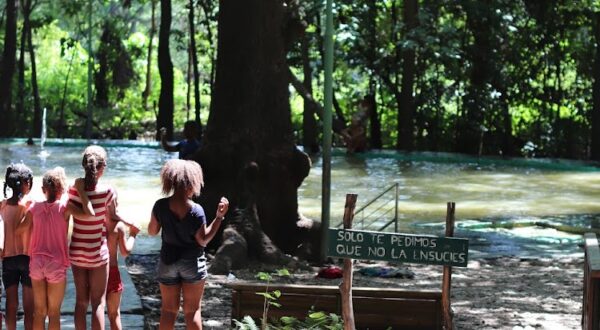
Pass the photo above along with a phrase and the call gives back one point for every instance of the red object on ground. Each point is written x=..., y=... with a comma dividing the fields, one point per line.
x=330, y=272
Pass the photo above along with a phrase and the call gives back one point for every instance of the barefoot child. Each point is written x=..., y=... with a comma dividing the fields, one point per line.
x=15, y=263
x=185, y=233
x=47, y=223
x=117, y=241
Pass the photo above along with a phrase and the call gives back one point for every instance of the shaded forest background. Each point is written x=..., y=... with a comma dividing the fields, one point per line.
x=490, y=77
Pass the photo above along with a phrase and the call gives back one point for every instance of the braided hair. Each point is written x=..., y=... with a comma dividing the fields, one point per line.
x=17, y=175
x=94, y=159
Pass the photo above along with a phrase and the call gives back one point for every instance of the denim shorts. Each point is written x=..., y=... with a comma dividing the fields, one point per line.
x=187, y=270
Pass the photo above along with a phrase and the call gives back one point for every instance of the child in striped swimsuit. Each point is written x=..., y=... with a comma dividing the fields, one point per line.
x=88, y=251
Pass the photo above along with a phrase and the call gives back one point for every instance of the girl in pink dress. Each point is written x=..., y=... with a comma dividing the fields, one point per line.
x=48, y=224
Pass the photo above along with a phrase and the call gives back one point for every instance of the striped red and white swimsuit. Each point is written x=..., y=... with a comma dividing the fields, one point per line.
x=88, y=246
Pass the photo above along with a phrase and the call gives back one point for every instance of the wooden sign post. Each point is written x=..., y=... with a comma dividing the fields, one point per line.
x=346, y=285
x=351, y=244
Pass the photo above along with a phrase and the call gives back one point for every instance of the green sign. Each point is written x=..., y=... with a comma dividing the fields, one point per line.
x=420, y=249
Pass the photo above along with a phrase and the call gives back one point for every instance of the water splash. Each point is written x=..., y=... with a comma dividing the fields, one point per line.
x=43, y=153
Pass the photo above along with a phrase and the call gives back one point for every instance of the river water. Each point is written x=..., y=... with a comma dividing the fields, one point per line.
x=486, y=190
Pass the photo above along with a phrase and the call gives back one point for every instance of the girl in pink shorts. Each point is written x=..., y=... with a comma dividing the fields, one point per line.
x=48, y=223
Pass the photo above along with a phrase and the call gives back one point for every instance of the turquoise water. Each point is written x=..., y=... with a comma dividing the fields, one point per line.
x=484, y=189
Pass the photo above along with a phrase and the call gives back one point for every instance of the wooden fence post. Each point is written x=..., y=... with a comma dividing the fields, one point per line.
x=346, y=285
x=447, y=276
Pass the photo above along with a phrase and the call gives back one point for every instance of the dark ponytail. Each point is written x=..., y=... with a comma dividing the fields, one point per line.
x=16, y=176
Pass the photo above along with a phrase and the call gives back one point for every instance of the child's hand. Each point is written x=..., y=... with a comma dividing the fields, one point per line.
x=133, y=230
x=222, y=208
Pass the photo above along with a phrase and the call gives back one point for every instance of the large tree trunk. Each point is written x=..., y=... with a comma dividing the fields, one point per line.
x=20, y=103
x=406, y=112
x=37, y=107
x=596, y=93
x=165, y=68
x=148, y=89
x=309, y=123
x=101, y=75
x=194, y=64
x=8, y=68
x=470, y=131
x=249, y=154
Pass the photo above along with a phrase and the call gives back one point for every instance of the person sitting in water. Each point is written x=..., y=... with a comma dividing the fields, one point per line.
x=186, y=147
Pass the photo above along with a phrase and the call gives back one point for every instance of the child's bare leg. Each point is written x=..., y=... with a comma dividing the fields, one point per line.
x=27, y=297
x=192, y=303
x=40, y=309
x=12, y=304
x=98, y=277
x=113, y=303
x=56, y=293
x=170, y=295
x=81, y=280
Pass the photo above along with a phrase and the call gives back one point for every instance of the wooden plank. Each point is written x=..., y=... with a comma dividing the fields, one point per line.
x=592, y=254
x=346, y=285
x=407, y=309
x=334, y=290
x=447, y=274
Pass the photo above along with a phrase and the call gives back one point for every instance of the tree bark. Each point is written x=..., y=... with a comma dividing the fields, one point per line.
x=248, y=153
x=8, y=68
x=470, y=131
x=101, y=75
x=20, y=104
x=165, y=68
x=148, y=90
x=37, y=107
x=309, y=123
x=194, y=64
x=595, y=153
x=406, y=122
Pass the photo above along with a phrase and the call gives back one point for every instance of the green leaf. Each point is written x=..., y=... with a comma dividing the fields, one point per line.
x=283, y=272
x=264, y=276
x=276, y=293
x=316, y=315
x=276, y=304
x=288, y=320
x=311, y=28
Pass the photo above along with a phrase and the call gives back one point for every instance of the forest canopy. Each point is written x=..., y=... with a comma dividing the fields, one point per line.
x=491, y=77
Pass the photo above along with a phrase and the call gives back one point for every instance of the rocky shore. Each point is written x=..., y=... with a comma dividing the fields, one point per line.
x=491, y=293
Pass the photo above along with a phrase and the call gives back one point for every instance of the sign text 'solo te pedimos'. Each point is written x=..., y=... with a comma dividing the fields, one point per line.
x=421, y=249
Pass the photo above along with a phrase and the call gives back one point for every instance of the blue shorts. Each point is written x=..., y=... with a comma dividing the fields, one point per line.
x=182, y=271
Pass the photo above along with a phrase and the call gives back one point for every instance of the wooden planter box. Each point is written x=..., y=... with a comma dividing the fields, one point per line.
x=374, y=308
x=591, y=284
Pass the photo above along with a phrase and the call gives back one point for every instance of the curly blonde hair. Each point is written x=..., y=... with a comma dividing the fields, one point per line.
x=181, y=174
x=54, y=181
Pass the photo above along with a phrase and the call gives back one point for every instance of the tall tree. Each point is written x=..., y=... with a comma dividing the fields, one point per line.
x=406, y=112
x=249, y=154
x=596, y=91
x=148, y=89
x=194, y=55
x=7, y=68
x=165, y=69
x=37, y=107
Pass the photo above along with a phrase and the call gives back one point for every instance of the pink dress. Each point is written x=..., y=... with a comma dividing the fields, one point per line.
x=49, y=232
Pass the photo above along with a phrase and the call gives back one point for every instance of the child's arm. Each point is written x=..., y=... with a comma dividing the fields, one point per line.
x=153, y=225
x=206, y=233
x=86, y=204
x=126, y=244
x=1, y=235
x=115, y=216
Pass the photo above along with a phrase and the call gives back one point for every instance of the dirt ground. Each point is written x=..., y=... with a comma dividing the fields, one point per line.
x=491, y=293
